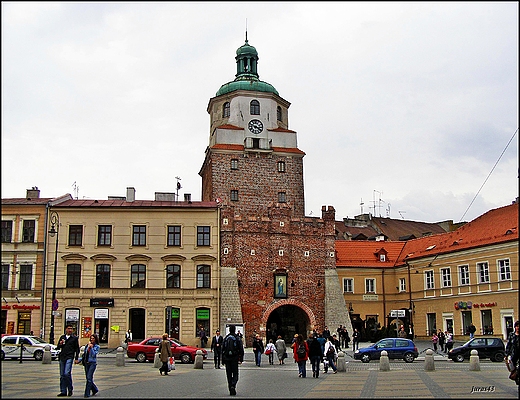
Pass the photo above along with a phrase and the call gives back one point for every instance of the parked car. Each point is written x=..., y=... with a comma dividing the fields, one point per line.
x=487, y=347
x=145, y=350
x=396, y=348
x=33, y=347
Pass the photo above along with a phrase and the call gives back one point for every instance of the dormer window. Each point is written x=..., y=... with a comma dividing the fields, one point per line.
x=225, y=110
x=254, y=107
x=382, y=257
x=279, y=113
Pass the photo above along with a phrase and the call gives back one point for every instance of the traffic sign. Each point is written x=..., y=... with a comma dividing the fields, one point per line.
x=55, y=305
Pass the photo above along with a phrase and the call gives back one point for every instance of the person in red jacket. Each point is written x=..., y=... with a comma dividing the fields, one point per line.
x=301, y=355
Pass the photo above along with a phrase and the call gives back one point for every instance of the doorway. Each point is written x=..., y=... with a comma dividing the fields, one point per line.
x=137, y=323
x=286, y=321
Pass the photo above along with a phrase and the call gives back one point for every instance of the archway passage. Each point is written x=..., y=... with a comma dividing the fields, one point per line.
x=287, y=321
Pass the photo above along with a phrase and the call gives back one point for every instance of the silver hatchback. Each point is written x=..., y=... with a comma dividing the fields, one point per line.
x=33, y=347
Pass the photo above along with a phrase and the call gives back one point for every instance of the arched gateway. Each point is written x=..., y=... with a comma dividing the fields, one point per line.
x=286, y=318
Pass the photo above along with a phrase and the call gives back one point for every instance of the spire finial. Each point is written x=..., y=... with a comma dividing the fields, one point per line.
x=246, y=30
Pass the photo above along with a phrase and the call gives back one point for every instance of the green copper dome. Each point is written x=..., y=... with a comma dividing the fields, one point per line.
x=246, y=77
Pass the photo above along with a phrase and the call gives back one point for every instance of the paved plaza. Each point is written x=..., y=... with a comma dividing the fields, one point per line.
x=32, y=379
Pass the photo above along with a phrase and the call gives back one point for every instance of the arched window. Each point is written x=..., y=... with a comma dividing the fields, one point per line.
x=254, y=107
x=173, y=276
x=203, y=276
x=225, y=110
x=279, y=113
x=138, y=276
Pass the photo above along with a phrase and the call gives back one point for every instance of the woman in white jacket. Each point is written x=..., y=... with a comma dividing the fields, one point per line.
x=269, y=350
x=330, y=354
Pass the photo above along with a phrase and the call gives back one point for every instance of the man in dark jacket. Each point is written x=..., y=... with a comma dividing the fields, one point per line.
x=315, y=354
x=232, y=355
x=216, y=347
x=68, y=345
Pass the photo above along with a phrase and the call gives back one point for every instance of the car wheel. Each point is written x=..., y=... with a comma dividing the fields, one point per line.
x=365, y=358
x=38, y=355
x=408, y=357
x=185, y=358
x=498, y=357
x=140, y=357
x=459, y=358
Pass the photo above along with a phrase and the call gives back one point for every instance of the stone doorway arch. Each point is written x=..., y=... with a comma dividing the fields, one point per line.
x=287, y=318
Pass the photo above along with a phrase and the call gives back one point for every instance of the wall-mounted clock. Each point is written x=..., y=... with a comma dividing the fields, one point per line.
x=255, y=126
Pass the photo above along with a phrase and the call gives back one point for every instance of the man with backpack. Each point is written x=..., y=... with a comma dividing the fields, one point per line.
x=232, y=355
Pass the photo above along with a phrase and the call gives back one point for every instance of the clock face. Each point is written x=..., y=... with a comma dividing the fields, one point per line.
x=255, y=126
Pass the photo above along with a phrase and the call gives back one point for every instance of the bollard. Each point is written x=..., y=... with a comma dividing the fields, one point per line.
x=157, y=363
x=429, y=364
x=474, y=362
x=120, y=357
x=47, y=357
x=341, y=364
x=199, y=360
x=384, y=362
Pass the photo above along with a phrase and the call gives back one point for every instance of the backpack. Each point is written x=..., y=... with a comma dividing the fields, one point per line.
x=331, y=351
x=230, y=347
x=301, y=351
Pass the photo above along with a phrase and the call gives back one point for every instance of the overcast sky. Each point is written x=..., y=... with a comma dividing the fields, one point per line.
x=408, y=104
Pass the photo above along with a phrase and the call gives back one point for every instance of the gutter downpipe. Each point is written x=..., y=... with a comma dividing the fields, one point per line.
x=44, y=269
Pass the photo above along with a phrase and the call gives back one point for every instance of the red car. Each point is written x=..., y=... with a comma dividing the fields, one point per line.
x=145, y=350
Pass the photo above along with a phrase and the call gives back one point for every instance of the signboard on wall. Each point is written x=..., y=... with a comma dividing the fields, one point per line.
x=86, y=327
x=101, y=313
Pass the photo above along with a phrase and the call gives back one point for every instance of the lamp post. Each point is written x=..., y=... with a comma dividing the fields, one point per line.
x=55, y=230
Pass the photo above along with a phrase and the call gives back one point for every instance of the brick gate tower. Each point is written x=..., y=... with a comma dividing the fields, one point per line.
x=278, y=274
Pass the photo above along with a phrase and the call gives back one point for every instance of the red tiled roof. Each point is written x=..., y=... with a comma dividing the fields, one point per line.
x=352, y=253
x=229, y=126
x=281, y=130
x=24, y=201
x=288, y=150
x=136, y=203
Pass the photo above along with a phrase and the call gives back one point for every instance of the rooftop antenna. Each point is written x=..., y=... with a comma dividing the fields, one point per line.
x=388, y=210
x=361, y=204
x=401, y=213
x=246, y=30
x=178, y=187
x=76, y=189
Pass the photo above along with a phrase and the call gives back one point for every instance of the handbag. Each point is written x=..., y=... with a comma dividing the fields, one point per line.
x=284, y=355
x=171, y=364
x=267, y=351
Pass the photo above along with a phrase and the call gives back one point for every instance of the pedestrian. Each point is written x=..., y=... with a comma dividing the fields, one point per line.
x=325, y=333
x=258, y=349
x=270, y=349
x=513, y=351
x=165, y=350
x=128, y=336
x=347, y=339
x=402, y=332
x=442, y=338
x=472, y=329
x=281, y=349
x=315, y=355
x=203, y=337
x=449, y=341
x=301, y=355
x=336, y=342
x=330, y=354
x=232, y=355
x=435, y=340
x=89, y=361
x=355, y=340
x=216, y=348
x=68, y=344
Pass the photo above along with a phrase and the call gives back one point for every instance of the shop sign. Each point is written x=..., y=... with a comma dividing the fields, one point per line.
x=468, y=305
x=370, y=297
x=20, y=307
x=482, y=305
x=101, y=313
x=202, y=314
x=101, y=302
x=72, y=315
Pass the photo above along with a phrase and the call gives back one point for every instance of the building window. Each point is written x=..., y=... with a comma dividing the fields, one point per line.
x=104, y=235
x=203, y=233
x=382, y=257
x=202, y=316
x=279, y=113
x=203, y=276
x=234, y=195
x=75, y=235
x=234, y=163
x=5, y=276
x=429, y=280
x=464, y=275
x=402, y=284
x=28, y=230
x=254, y=107
x=138, y=276
x=102, y=276
x=281, y=166
x=504, y=270
x=483, y=272
x=281, y=197
x=174, y=235
x=139, y=235
x=348, y=285
x=446, y=277
x=7, y=231
x=73, y=275
x=226, y=109
x=370, y=285
x=26, y=272
x=173, y=276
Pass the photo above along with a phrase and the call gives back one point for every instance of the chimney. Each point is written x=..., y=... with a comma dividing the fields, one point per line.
x=187, y=197
x=33, y=193
x=130, y=194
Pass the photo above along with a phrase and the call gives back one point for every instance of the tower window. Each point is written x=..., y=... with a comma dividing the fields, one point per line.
x=281, y=166
x=234, y=195
x=234, y=163
x=225, y=109
x=254, y=107
x=281, y=197
x=279, y=113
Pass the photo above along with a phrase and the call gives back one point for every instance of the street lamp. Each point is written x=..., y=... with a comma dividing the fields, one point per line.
x=55, y=230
